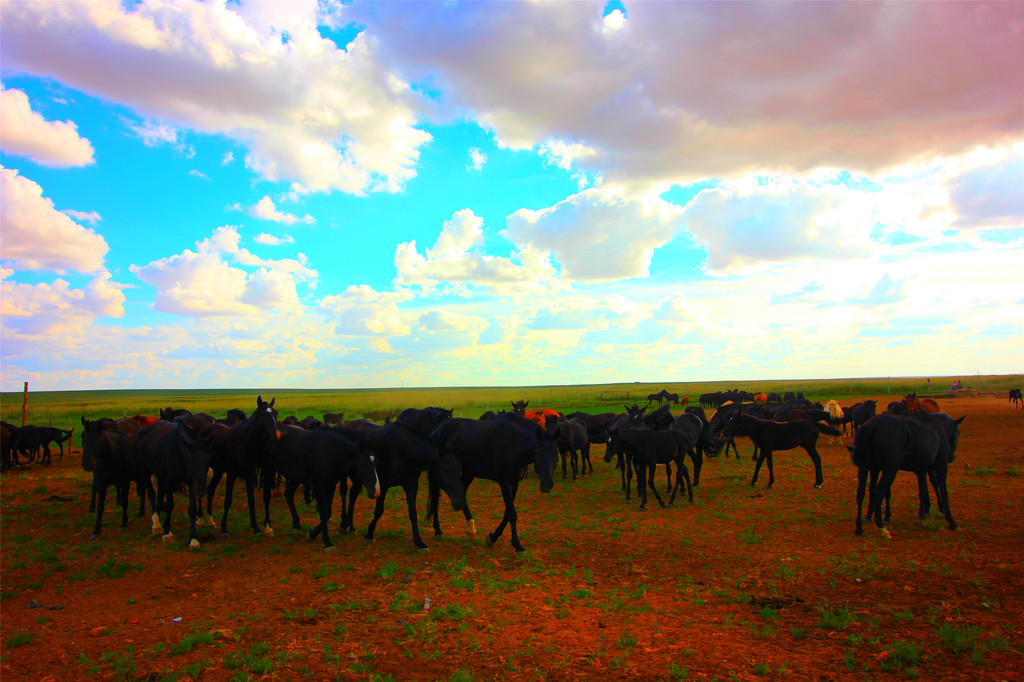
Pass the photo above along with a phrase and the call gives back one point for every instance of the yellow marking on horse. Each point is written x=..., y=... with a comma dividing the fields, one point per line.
x=157, y=528
x=168, y=537
x=193, y=544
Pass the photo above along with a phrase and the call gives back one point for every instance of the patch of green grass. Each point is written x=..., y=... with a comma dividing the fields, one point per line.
x=114, y=568
x=834, y=619
x=191, y=641
x=984, y=471
x=749, y=537
x=20, y=639
x=627, y=641
x=122, y=664
x=678, y=673
x=388, y=571
x=902, y=655
x=959, y=638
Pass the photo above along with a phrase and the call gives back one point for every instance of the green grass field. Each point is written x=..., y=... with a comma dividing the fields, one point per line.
x=64, y=409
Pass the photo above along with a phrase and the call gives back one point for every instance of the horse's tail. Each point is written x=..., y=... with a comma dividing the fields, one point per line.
x=828, y=430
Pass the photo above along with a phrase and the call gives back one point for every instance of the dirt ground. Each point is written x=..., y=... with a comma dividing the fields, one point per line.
x=747, y=583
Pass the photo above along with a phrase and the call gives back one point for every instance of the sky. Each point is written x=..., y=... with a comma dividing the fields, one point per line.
x=325, y=195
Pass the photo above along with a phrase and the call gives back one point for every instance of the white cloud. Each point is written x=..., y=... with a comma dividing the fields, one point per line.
x=748, y=227
x=228, y=159
x=455, y=260
x=85, y=216
x=203, y=283
x=271, y=240
x=156, y=134
x=34, y=310
x=266, y=210
x=362, y=311
x=49, y=143
x=477, y=159
x=37, y=236
x=259, y=73
x=598, y=235
x=198, y=174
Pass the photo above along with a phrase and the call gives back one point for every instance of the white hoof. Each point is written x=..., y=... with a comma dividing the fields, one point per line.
x=471, y=531
x=268, y=531
x=886, y=534
x=211, y=522
x=168, y=537
x=193, y=544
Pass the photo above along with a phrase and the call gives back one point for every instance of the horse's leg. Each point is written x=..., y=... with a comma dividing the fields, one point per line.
x=682, y=471
x=268, y=482
x=757, y=467
x=630, y=463
x=466, y=513
x=940, y=475
x=123, y=490
x=378, y=511
x=211, y=488
x=668, y=476
x=862, y=479
x=924, y=503
x=585, y=458
x=289, y=498
x=350, y=510
x=229, y=495
x=882, y=490
x=324, y=502
x=92, y=494
x=411, y=488
x=620, y=461
x=168, y=506
x=250, y=497
x=508, y=495
x=653, y=465
x=433, y=503
x=771, y=469
x=100, y=504
x=816, y=458
x=939, y=501
x=697, y=457
x=575, y=463
x=564, y=455
x=195, y=502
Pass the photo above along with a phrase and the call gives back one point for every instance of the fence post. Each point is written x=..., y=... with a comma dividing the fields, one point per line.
x=24, y=405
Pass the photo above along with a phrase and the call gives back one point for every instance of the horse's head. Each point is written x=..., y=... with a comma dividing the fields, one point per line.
x=519, y=406
x=546, y=456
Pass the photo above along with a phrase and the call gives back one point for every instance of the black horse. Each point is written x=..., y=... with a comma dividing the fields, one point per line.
x=696, y=430
x=1015, y=398
x=646, y=449
x=404, y=450
x=860, y=413
x=632, y=418
x=322, y=459
x=174, y=454
x=769, y=436
x=924, y=443
x=497, y=450
x=110, y=455
x=574, y=445
x=242, y=451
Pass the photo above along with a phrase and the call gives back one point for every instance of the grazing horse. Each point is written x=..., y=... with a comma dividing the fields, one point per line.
x=8, y=445
x=761, y=398
x=770, y=436
x=142, y=420
x=334, y=417
x=404, y=449
x=169, y=414
x=656, y=397
x=322, y=458
x=646, y=449
x=915, y=404
x=497, y=450
x=923, y=443
x=671, y=397
x=173, y=454
x=242, y=451
x=633, y=417
x=1015, y=398
x=110, y=455
x=696, y=429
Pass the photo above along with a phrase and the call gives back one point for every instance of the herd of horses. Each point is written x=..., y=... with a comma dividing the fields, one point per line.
x=194, y=452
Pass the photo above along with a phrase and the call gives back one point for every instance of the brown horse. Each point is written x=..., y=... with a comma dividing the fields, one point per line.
x=924, y=404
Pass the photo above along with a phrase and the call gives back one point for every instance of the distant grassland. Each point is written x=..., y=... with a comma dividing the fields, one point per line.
x=64, y=409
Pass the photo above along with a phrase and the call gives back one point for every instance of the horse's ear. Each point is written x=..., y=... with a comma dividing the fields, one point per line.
x=960, y=421
x=272, y=401
x=259, y=400
x=84, y=423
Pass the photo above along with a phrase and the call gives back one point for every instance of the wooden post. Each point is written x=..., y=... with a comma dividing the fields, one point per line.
x=24, y=405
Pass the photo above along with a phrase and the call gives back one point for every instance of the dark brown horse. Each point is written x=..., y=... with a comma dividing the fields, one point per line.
x=769, y=436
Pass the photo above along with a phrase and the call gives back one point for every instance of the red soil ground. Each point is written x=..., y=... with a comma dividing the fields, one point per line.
x=746, y=583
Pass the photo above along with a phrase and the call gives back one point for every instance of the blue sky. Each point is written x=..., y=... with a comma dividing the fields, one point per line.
x=311, y=194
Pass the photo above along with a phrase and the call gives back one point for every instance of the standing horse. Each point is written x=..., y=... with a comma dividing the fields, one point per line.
x=922, y=443
x=173, y=454
x=242, y=451
x=404, y=449
x=646, y=449
x=322, y=458
x=770, y=436
x=497, y=450
x=1015, y=398
x=109, y=454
